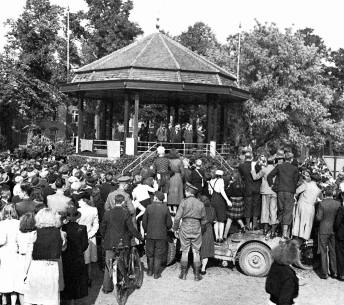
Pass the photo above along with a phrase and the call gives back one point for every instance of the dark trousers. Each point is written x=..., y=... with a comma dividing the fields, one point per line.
x=156, y=248
x=327, y=241
x=340, y=256
x=285, y=202
x=253, y=205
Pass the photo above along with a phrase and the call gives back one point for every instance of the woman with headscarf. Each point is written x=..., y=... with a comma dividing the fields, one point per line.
x=219, y=201
x=175, y=192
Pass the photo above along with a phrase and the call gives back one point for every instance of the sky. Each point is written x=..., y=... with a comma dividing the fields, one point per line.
x=223, y=16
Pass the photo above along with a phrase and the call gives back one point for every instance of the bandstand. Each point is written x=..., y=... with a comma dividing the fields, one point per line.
x=155, y=70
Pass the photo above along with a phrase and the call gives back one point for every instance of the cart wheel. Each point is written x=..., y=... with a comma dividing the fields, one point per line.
x=118, y=278
x=255, y=259
x=224, y=264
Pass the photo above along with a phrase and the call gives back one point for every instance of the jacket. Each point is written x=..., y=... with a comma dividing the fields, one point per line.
x=117, y=225
x=27, y=205
x=287, y=175
x=48, y=245
x=326, y=214
x=161, y=135
x=59, y=202
x=282, y=284
x=251, y=185
x=339, y=224
x=156, y=221
x=265, y=188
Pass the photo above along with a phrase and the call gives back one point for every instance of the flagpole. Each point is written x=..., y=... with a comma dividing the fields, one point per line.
x=238, y=64
x=68, y=43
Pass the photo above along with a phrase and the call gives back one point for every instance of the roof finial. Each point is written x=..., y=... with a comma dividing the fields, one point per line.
x=157, y=24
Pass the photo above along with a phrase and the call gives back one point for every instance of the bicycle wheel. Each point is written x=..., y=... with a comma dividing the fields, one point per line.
x=118, y=278
x=137, y=268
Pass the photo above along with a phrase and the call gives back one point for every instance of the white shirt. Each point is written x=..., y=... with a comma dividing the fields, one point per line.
x=140, y=192
x=216, y=184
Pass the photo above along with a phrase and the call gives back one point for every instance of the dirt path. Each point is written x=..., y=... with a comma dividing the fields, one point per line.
x=219, y=286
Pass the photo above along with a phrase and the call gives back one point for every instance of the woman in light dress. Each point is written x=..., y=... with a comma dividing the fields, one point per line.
x=42, y=283
x=25, y=240
x=305, y=209
x=9, y=229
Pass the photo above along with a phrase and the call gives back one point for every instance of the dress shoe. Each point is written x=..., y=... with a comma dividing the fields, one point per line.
x=105, y=291
x=247, y=228
x=89, y=283
x=243, y=229
x=341, y=278
x=203, y=272
x=324, y=276
x=255, y=229
x=334, y=275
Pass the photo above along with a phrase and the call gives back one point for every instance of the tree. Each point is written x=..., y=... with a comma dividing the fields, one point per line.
x=290, y=99
x=198, y=38
x=107, y=28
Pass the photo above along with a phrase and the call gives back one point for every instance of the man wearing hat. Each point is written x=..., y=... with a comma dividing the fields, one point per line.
x=287, y=176
x=156, y=221
x=105, y=189
x=252, y=198
x=116, y=225
x=127, y=203
x=192, y=211
x=59, y=202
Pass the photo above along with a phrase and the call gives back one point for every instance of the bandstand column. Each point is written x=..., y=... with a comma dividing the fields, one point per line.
x=176, y=112
x=168, y=113
x=225, y=123
x=209, y=118
x=110, y=119
x=136, y=121
x=103, y=121
x=81, y=117
x=126, y=120
x=215, y=116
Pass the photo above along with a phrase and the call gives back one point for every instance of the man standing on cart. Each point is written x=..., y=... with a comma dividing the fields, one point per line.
x=192, y=213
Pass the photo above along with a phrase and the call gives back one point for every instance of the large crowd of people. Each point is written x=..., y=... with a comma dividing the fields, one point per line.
x=51, y=214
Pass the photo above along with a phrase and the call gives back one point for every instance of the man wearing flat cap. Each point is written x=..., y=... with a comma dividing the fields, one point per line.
x=192, y=212
x=287, y=177
x=127, y=203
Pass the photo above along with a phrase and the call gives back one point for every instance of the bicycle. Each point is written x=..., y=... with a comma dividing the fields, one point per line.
x=126, y=271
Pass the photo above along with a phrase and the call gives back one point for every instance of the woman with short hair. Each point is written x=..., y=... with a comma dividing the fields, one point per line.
x=9, y=229
x=282, y=283
x=42, y=283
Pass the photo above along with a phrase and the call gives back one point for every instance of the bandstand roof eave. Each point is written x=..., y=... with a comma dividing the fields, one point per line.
x=93, y=89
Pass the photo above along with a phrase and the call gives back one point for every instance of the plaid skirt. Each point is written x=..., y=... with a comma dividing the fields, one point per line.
x=236, y=211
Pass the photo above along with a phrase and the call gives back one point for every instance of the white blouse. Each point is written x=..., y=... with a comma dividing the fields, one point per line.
x=216, y=184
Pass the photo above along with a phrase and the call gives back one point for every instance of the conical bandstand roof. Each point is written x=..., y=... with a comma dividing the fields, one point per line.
x=155, y=62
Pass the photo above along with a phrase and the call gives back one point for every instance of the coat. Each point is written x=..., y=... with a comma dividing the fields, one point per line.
x=251, y=185
x=89, y=218
x=74, y=268
x=188, y=136
x=338, y=225
x=197, y=179
x=156, y=221
x=176, y=136
x=27, y=205
x=265, y=188
x=161, y=135
x=288, y=177
x=326, y=214
x=59, y=202
x=116, y=225
x=305, y=210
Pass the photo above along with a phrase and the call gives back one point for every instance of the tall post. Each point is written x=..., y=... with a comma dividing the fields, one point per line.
x=97, y=121
x=126, y=120
x=168, y=113
x=136, y=121
x=238, y=64
x=176, y=113
x=222, y=121
x=68, y=44
x=81, y=117
x=215, y=116
x=110, y=119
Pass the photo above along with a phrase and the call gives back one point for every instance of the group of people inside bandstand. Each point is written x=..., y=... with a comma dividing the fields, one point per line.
x=52, y=214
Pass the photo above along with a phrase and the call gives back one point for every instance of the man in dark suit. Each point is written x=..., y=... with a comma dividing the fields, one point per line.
x=338, y=227
x=326, y=214
x=287, y=176
x=116, y=225
x=156, y=221
x=105, y=189
x=252, y=197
